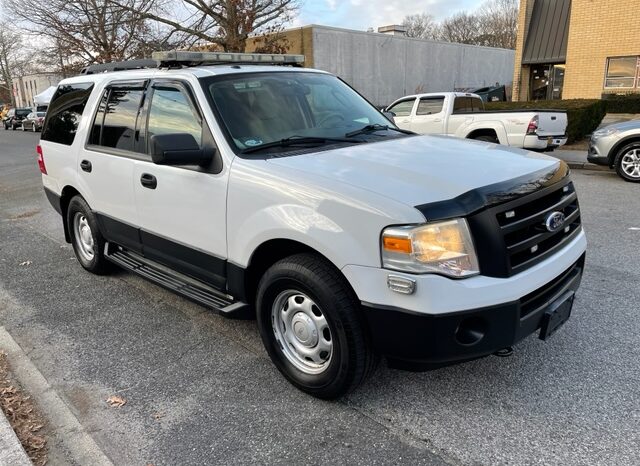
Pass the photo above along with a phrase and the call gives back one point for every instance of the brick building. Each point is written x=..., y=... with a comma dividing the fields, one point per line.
x=573, y=49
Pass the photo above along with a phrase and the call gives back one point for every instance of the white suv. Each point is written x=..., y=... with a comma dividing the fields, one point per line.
x=280, y=191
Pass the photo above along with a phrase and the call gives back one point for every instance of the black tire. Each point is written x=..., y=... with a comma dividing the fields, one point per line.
x=97, y=264
x=487, y=138
x=620, y=158
x=352, y=359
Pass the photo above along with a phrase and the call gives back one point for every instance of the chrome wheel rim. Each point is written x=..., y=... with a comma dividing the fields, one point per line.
x=630, y=163
x=83, y=236
x=302, y=331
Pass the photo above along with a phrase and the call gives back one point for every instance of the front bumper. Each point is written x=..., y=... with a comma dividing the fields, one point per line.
x=596, y=156
x=417, y=341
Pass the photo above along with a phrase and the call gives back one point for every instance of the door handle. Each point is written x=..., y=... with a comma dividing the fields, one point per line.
x=148, y=181
x=437, y=120
x=86, y=166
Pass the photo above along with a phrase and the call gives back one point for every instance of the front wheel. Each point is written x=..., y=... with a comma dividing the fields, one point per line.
x=312, y=328
x=86, y=239
x=628, y=162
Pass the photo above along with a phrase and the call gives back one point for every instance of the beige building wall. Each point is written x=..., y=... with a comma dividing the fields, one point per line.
x=298, y=41
x=520, y=90
x=598, y=29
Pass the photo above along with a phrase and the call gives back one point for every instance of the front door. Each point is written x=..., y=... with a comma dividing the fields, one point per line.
x=403, y=111
x=181, y=209
x=429, y=117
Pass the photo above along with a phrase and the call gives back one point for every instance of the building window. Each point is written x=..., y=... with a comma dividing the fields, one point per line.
x=622, y=73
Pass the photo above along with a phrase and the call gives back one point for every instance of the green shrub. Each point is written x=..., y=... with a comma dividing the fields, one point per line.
x=583, y=115
x=622, y=104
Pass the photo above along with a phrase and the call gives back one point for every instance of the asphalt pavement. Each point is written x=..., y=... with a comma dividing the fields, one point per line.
x=200, y=389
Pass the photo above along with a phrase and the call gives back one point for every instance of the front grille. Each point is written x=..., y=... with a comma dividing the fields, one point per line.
x=522, y=225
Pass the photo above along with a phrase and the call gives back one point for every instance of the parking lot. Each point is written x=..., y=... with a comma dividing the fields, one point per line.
x=201, y=389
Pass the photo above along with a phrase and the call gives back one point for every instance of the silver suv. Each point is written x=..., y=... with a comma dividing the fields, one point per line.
x=618, y=146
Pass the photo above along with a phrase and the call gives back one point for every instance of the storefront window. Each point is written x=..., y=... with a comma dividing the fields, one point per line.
x=547, y=82
x=622, y=72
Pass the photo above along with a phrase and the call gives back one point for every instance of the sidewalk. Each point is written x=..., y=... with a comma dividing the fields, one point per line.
x=11, y=452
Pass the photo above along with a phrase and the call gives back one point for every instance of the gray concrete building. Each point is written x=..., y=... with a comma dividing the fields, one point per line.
x=386, y=65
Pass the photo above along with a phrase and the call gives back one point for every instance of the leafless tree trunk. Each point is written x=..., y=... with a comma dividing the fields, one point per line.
x=226, y=23
x=463, y=28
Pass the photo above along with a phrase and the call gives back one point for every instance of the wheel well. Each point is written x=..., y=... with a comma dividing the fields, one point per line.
x=483, y=132
x=613, y=154
x=267, y=254
x=68, y=193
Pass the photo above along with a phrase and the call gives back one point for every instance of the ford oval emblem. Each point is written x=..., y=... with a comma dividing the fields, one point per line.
x=554, y=221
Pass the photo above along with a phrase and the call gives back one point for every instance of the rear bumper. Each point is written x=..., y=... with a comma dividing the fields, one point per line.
x=535, y=142
x=416, y=341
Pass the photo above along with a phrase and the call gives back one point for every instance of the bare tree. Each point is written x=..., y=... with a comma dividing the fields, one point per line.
x=499, y=23
x=463, y=28
x=75, y=33
x=421, y=26
x=225, y=23
x=11, y=62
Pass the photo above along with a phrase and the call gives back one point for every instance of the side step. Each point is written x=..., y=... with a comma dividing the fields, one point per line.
x=190, y=288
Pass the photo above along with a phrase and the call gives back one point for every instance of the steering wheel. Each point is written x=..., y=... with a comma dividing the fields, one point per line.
x=333, y=116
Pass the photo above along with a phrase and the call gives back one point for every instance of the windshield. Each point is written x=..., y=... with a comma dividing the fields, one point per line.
x=23, y=111
x=262, y=108
x=41, y=114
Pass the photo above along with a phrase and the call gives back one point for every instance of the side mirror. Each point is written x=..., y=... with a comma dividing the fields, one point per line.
x=178, y=149
x=389, y=115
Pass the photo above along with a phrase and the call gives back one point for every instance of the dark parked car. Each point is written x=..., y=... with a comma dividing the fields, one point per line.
x=33, y=121
x=15, y=116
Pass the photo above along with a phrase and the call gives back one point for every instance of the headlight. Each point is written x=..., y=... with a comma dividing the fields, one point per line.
x=440, y=247
x=608, y=131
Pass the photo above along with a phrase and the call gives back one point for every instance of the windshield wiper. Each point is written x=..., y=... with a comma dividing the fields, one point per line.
x=372, y=128
x=298, y=140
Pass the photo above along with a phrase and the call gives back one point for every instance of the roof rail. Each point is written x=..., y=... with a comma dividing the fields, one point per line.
x=119, y=66
x=179, y=58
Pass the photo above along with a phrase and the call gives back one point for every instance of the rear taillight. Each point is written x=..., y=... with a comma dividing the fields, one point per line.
x=43, y=169
x=533, y=125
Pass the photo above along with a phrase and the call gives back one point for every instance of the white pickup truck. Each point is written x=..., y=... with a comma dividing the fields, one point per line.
x=463, y=115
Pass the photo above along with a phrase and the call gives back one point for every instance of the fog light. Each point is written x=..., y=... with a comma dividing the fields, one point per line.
x=401, y=284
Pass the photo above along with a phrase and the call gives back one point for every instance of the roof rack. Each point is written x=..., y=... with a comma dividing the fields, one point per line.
x=179, y=59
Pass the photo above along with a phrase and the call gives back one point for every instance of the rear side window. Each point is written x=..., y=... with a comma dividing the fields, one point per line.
x=467, y=105
x=65, y=111
x=430, y=105
x=114, y=125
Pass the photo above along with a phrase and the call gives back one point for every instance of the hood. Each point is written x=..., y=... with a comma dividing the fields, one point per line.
x=625, y=125
x=420, y=169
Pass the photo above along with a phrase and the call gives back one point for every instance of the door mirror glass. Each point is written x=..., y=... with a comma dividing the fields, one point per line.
x=178, y=149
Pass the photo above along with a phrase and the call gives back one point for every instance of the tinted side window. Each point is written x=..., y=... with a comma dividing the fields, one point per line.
x=121, y=113
x=170, y=113
x=96, y=127
x=477, y=103
x=403, y=108
x=462, y=105
x=65, y=111
x=430, y=105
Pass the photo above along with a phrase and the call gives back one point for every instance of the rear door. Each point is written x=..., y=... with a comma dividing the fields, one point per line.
x=403, y=111
x=182, y=209
x=107, y=162
x=429, y=116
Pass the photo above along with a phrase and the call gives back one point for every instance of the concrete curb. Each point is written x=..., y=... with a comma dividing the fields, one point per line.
x=587, y=166
x=78, y=444
x=11, y=451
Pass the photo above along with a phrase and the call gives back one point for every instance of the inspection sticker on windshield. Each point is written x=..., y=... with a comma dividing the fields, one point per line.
x=252, y=142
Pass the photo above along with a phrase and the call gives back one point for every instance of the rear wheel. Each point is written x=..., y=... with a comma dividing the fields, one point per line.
x=628, y=162
x=312, y=328
x=86, y=239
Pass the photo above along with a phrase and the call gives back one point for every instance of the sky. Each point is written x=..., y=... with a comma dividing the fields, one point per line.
x=362, y=14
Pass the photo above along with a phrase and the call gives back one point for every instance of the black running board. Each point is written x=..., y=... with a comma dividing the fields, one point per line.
x=183, y=285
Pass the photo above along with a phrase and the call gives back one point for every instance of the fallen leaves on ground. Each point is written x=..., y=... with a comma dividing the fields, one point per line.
x=23, y=415
x=116, y=401
x=25, y=263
